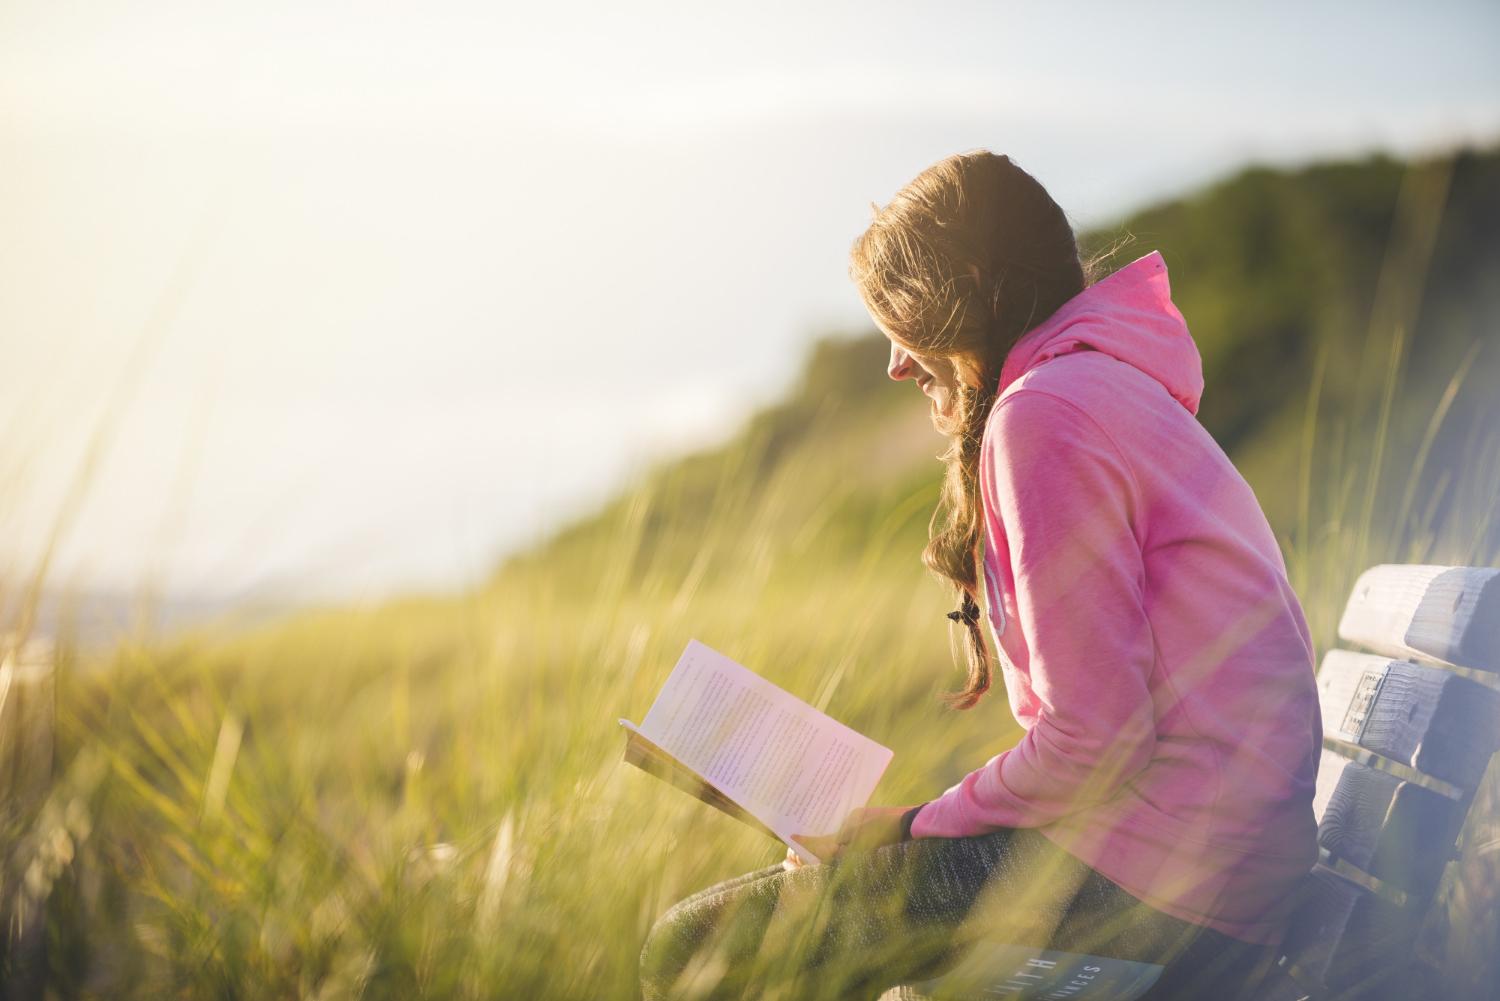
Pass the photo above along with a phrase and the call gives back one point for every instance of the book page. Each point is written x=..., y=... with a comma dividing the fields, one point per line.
x=649, y=758
x=796, y=769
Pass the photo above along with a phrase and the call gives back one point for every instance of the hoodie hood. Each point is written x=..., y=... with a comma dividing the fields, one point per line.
x=1129, y=316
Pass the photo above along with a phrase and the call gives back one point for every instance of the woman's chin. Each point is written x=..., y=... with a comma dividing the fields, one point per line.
x=941, y=418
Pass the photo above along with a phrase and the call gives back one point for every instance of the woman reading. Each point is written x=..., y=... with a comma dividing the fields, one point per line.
x=1114, y=569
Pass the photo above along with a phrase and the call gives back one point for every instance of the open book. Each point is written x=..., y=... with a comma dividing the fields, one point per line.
x=739, y=743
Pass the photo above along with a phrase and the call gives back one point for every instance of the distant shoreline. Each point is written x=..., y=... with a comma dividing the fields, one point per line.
x=93, y=622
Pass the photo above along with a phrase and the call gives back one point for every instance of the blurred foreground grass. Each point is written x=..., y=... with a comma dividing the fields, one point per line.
x=427, y=799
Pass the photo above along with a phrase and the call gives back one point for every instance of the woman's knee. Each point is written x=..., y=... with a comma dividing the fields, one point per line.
x=696, y=941
x=661, y=955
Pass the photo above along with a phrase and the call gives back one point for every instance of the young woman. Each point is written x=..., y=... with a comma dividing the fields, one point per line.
x=1157, y=809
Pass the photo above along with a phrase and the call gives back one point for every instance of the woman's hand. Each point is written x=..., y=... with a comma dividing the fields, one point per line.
x=865, y=828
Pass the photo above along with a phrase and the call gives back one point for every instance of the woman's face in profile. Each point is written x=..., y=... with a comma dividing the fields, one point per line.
x=933, y=376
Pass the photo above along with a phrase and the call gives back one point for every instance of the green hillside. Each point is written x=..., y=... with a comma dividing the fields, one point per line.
x=1276, y=270
x=1313, y=294
x=425, y=799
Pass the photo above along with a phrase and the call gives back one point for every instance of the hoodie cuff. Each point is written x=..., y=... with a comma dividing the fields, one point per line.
x=906, y=821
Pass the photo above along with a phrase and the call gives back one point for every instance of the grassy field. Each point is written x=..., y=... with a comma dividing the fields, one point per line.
x=426, y=798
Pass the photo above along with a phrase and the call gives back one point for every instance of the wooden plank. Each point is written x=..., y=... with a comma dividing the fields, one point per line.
x=1347, y=938
x=1437, y=722
x=1447, y=614
x=1394, y=830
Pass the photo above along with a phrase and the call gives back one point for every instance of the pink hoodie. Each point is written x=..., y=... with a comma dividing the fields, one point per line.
x=1150, y=643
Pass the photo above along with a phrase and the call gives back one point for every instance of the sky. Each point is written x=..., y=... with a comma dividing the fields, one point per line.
x=338, y=301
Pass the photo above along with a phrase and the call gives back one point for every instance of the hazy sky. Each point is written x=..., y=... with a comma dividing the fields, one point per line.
x=379, y=291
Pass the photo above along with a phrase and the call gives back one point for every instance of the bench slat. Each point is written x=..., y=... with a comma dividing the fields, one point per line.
x=1437, y=722
x=1449, y=614
x=1394, y=830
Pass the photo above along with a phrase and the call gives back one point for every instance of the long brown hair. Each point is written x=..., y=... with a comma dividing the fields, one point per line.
x=966, y=258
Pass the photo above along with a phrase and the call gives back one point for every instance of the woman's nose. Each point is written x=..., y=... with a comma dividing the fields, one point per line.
x=900, y=366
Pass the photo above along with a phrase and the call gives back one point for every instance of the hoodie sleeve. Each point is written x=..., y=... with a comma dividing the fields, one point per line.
x=1067, y=506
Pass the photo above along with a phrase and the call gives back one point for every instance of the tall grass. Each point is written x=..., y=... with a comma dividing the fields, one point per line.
x=426, y=799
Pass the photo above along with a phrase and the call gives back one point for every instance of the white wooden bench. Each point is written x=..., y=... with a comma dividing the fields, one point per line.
x=1408, y=730
x=1409, y=727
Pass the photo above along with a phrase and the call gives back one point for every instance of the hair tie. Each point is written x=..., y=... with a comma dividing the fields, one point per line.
x=968, y=615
